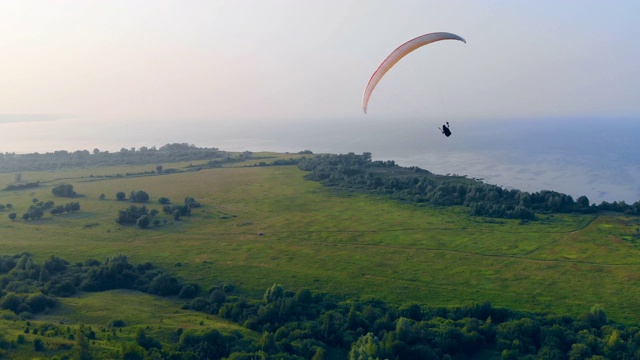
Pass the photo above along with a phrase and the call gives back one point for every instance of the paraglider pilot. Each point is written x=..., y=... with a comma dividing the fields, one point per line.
x=445, y=130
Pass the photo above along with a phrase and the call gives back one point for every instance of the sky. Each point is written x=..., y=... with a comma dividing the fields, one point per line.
x=111, y=63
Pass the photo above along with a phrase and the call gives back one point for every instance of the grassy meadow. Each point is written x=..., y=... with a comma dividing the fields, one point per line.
x=159, y=317
x=263, y=225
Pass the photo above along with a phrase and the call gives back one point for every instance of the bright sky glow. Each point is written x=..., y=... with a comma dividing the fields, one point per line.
x=289, y=59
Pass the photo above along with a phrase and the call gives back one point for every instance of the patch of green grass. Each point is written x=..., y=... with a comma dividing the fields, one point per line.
x=159, y=317
x=137, y=309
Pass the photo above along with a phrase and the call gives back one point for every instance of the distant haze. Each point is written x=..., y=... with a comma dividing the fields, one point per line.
x=112, y=61
x=593, y=157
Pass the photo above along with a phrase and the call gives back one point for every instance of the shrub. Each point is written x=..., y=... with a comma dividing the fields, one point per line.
x=65, y=190
x=118, y=323
x=38, y=345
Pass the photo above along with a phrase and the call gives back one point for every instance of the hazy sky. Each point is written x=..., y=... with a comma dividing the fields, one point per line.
x=278, y=59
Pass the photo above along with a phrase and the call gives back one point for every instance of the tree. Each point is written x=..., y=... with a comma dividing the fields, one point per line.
x=369, y=347
x=102, y=196
x=132, y=351
x=190, y=202
x=38, y=345
x=72, y=206
x=583, y=201
x=164, y=200
x=12, y=216
x=121, y=196
x=139, y=196
x=319, y=355
x=596, y=317
x=164, y=285
x=189, y=291
x=159, y=168
x=65, y=190
x=34, y=213
x=143, y=221
x=131, y=215
x=81, y=348
x=147, y=342
x=12, y=302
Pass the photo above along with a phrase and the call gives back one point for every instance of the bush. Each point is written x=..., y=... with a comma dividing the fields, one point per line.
x=189, y=291
x=40, y=302
x=139, y=196
x=38, y=345
x=65, y=190
x=143, y=222
x=12, y=301
x=131, y=215
x=118, y=323
x=164, y=285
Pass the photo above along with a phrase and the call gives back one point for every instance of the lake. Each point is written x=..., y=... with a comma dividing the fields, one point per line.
x=594, y=157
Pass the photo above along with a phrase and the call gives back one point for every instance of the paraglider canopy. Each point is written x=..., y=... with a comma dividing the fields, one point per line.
x=398, y=54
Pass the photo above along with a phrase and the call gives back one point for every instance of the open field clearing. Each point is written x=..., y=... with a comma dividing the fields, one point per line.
x=158, y=317
x=263, y=225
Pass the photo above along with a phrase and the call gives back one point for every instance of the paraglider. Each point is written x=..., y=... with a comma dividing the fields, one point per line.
x=398, y=54
x=445, y=130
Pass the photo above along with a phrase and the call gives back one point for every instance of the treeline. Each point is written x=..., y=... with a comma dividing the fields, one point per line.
x=17, y=187
x=11, y=162
x=310, y=325
x=359, y=173
x=28, y=287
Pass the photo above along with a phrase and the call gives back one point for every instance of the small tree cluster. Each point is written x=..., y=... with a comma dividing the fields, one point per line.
x=64, y=190
x=39, y=208
x=139, y=196
x=130, y=215
x=178, y=211
x=68, y=208
x=34, y=213
x=139, y=216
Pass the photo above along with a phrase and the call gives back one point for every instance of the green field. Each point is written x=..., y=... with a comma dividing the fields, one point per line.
x=159, y=317
x=265, y=225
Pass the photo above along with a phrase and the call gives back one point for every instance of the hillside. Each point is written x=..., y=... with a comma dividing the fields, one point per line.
x=260, y=224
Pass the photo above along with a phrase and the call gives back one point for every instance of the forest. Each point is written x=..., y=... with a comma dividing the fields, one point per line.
x=176, y=152
x=359, y=173
x=297, y=325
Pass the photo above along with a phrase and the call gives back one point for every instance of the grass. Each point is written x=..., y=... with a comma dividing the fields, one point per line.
x=99, y=310
x=159, y=317
x=354, y=245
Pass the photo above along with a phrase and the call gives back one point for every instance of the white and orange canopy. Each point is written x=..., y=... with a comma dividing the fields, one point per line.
x=398, y=54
